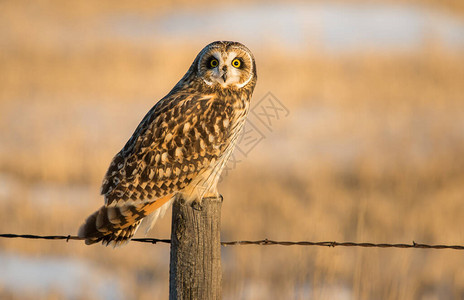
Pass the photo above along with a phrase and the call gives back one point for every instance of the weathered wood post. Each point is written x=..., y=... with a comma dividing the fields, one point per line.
x=195, y=268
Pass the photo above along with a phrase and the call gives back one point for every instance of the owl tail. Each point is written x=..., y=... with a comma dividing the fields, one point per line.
x=116, y=225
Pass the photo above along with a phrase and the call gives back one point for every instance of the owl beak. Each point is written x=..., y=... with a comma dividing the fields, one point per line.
x=224, y=73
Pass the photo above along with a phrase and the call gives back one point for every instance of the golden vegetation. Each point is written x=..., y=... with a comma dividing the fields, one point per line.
x=371, y=151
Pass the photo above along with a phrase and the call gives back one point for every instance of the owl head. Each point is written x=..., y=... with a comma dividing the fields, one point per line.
x=225, y=64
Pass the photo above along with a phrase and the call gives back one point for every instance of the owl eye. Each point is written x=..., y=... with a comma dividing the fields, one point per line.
x=213, y=63
x=236, y=63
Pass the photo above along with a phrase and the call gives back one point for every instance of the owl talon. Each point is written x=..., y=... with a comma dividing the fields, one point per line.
x=197, y=205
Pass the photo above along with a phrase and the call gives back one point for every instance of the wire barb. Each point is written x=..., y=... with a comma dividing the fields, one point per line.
x=265, y=242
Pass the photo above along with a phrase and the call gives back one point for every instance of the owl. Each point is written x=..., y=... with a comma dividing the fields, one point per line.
x=180, y=147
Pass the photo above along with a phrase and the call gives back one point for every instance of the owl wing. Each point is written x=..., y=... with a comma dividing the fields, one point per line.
x=176, y=140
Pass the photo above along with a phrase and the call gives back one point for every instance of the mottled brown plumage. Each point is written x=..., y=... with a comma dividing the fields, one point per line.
x=181, y=145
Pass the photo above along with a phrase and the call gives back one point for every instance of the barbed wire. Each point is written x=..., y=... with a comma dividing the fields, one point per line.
x=265, y=242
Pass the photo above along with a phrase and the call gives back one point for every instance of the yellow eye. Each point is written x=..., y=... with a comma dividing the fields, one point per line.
x=236, y=63
x=214, y=63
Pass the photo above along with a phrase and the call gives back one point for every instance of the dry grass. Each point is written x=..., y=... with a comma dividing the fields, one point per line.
x=371, y=151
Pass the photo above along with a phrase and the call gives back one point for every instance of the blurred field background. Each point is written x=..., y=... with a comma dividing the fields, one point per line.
x=371, y=150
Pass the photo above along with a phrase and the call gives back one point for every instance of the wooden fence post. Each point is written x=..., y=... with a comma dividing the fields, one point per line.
x=195, y=267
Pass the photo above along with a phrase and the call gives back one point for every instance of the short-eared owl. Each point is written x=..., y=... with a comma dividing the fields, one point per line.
x=181, y=145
